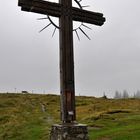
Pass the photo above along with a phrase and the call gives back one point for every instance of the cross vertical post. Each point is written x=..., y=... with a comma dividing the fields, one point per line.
x=67, y=85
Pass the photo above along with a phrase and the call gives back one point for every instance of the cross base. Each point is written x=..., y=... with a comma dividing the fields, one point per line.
x=69, y=132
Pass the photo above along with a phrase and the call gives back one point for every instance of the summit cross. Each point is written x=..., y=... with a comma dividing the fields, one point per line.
x=66, y=14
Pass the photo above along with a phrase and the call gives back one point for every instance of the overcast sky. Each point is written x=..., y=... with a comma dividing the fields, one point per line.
x=110, y=61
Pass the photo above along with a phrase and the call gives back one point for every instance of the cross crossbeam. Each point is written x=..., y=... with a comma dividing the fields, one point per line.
x=56, y=9
x=66, y=14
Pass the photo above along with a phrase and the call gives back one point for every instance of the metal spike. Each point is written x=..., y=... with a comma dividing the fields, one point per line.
x=84, y=33
x=79, y=0
x=86, y=26
x=45, y=27
x=77, y=35
x=53, y=23
x=85, y=6
x=54, y=32
x=42, y=18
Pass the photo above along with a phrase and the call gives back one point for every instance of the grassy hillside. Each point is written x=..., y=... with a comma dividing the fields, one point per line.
x=29, y=117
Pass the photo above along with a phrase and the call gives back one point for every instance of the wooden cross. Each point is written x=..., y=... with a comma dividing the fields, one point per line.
x=66, y=14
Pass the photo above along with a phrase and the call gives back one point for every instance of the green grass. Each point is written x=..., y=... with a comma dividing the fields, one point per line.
x=30, y=117
x=117, y=127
